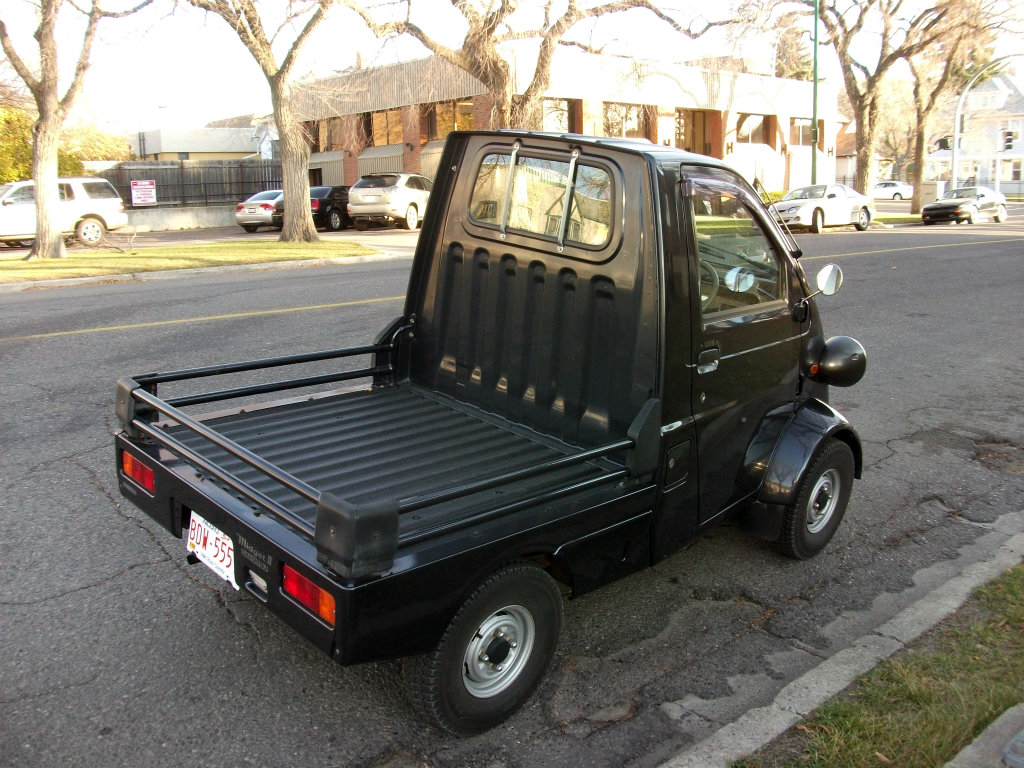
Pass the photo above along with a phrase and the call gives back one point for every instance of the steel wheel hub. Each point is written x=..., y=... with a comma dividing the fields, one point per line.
x=498, y=651
x=823, y=500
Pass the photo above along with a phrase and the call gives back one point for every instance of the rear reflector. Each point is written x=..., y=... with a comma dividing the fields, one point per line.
x=137, y=471
x=318, y=600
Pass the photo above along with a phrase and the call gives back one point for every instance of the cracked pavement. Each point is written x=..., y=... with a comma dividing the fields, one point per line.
x=117, y=652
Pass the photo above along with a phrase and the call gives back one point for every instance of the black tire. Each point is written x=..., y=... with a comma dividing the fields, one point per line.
x=817, y=221
x=863, y=219
x=411, y=220
x=812, y=520
x=897, y=196
x=335, y=221
x=493, y=654
x=250, y=228
x=90, y=231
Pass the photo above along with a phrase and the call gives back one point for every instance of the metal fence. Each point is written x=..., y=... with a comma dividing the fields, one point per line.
x=196, y=182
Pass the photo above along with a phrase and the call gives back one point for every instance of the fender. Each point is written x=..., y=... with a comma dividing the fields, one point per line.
x=810, y=427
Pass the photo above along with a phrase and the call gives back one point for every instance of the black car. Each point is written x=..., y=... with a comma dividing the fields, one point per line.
x=966, y=204
x=329, y=206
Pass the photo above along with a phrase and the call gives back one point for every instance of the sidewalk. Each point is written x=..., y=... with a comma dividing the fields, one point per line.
x=802, y=696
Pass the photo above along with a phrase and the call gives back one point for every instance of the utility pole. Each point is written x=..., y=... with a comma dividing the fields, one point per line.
x=814, y=102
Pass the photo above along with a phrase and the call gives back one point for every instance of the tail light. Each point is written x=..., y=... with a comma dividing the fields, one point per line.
x=314, y=205
x=268, y=206
x=137, y=471
x=239, y=207
x=318, y=600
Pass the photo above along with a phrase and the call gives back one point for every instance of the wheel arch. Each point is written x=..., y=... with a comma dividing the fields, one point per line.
x=810, y=427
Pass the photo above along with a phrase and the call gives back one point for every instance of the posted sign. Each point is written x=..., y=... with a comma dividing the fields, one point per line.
x=144, y=192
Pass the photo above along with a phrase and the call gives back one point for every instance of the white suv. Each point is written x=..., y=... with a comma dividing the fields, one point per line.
x=386, y=197
x=88, y=207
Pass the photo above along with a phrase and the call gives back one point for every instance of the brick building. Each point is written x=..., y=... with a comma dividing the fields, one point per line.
x=395, y=117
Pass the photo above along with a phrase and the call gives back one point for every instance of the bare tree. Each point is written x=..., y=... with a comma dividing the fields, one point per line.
x=42, y=81
x=301, y=19
x=946, y=67
x=490, y=25
x=851, y=26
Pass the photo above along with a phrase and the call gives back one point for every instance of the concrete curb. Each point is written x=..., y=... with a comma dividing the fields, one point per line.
x=131, y=277
x=801, y=697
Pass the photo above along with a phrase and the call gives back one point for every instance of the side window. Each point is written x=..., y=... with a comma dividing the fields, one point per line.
x=738, y=266
x=66, y=192
x=99, y=189
x=554, y=198
x=23, y=195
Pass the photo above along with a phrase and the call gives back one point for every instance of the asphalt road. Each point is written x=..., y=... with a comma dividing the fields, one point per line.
x=115, y=652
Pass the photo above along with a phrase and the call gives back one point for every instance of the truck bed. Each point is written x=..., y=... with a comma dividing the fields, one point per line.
x=400, y=442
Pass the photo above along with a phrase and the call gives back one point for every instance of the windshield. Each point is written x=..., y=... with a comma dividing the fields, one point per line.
x=269, y=194
x=959, y=194
x=5, y=188
x=377, y=182
x=805, y=193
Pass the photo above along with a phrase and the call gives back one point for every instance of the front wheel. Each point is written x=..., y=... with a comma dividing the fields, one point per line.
x=863, y=219
x=897, y=196
x=812, y=520
x=493, y=654
x=1000, y=215
x=817, y=221
x=90, y=231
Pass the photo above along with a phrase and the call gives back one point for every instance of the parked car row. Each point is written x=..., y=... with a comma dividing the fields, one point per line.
x=377, y=198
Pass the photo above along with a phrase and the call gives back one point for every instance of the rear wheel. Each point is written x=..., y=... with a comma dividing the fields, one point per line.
x=493, y=654
x=411, y=220
x=1000, y=215
x=863, y=219
x=90, y=231
x=817, y=221
x=250, y=228
x=821, y=500
x=334, y=220
x=361, y=225
x=897, y=196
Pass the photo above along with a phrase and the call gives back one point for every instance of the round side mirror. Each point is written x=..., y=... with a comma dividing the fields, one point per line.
x=830, y=279
x=739, y=280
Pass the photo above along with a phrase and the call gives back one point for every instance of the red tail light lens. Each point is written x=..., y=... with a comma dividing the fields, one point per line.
x=268, y=206
x=314, y=205
x=239, y=207
x=137, y=471
x=318, y=600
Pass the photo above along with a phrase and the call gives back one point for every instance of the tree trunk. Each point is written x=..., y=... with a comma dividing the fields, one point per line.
x=49, y=242
x=920, y=158
x=298, y=220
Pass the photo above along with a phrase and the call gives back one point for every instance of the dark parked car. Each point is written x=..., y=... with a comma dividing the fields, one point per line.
x=966, y=204
x=329, y=206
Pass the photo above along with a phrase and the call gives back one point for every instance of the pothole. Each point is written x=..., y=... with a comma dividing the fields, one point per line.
x=1002, y=457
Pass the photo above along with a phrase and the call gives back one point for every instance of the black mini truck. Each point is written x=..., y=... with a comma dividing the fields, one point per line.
x=607, y=347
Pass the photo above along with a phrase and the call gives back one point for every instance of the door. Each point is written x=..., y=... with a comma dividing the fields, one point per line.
x=18, y=213
x=745, y=343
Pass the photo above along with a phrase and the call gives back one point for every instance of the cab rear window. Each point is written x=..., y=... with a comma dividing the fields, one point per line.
x=564, y=200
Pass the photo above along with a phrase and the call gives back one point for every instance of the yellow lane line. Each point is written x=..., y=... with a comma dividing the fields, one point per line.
x=207, y=318
x=912, y=248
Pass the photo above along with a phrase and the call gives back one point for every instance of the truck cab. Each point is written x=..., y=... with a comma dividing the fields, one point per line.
x=607, y=347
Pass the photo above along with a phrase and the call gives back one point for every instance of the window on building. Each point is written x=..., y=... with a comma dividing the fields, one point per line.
x=562, y=115
x=627, y=120
x=691, y=131
x=800, y=130
x=447, y=116
x=386, y=127
x=183, y=155
x=751, y=129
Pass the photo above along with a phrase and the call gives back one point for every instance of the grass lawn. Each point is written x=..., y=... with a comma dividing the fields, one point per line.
x=921, y=707
x=95, y=263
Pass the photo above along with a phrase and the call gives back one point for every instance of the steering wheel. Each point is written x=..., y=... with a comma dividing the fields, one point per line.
x=709, y=287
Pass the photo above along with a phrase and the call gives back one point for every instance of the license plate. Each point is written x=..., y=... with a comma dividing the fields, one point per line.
x=213, y=547
x=250, y=210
